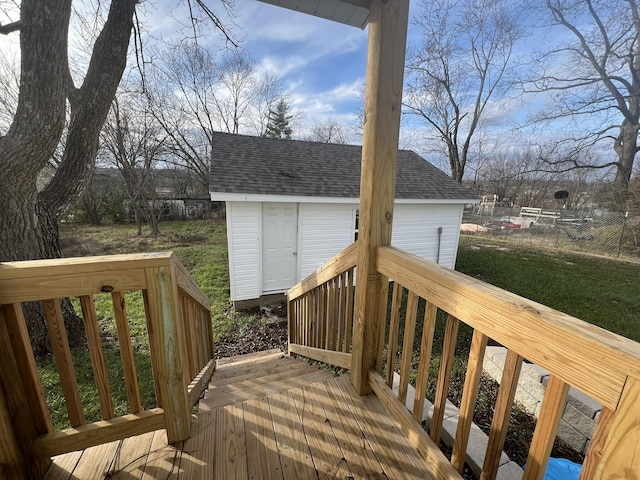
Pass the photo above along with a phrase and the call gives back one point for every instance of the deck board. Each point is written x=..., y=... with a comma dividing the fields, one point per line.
x=282, y=419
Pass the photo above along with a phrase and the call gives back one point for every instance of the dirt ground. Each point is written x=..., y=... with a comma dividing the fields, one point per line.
x=269, y=332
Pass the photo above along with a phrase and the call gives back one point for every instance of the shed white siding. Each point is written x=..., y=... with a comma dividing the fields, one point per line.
x=325, y=229
x=415, y=229
x=243, y=237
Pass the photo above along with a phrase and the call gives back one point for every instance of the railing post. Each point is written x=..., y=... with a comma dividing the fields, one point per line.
x=167, y=342
x=621, y=454
x=383, y=98
x=17, y=426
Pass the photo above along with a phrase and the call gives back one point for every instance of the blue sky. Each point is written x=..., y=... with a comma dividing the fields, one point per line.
x=321, y=63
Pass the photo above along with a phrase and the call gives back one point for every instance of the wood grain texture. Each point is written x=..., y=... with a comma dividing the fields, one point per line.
x=597, y=444
x=555, y=399
x=96, y=354
x=342, y=262
x=394, y=329
x=339, y=359
x=295, y=456
x=593, y=360
x=168, y=347
x=126, y=352
x=264, y=461
x=19, y=335
x=17, y=426
x=64, y=362
x=96, y=433
x=439, y=466
x=407, y=345
x=58, y=285
x=426, y=345
x=383, y=101
x=469, y=397
x=444, y=376
x=502, y=415
x=621, y=455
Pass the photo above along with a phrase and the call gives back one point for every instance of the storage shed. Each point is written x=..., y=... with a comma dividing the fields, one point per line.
x=292, y=205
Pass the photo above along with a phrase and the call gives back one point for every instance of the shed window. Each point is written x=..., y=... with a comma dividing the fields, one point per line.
x=356, y=225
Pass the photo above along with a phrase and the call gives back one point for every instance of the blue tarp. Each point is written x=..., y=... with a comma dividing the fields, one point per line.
x=562, y=469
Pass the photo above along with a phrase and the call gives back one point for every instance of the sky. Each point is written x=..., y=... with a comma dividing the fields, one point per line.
x=320, y=63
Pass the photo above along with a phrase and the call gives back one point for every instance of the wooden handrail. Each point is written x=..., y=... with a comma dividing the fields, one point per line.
x=588, y=357
x=603, y=365
x=340, y=263
x=180, y=339
x=321, y=311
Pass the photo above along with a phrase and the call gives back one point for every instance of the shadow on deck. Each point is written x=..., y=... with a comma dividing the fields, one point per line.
x=264, y=416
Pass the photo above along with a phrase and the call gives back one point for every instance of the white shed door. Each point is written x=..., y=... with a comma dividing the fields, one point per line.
x=279, y=243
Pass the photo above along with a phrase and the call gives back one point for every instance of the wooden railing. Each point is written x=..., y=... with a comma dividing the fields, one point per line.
x=321, y=311
x=178, y=321
x=602, y=365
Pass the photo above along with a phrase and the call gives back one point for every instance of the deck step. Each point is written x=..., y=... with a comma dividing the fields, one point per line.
x=254, y=357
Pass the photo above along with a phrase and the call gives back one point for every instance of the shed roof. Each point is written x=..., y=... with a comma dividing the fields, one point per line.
x=264, y=166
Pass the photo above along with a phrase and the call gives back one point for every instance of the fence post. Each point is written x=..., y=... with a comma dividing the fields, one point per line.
x=624, y=224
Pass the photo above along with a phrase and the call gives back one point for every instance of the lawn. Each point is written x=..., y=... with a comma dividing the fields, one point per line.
x=601, y=291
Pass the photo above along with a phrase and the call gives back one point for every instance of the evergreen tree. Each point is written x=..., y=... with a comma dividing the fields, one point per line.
x=278, y=124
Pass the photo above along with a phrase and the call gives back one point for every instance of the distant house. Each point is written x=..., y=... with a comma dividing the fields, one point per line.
x=292, y=205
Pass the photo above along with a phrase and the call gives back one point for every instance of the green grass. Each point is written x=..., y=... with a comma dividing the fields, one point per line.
x=601, y=291
x=201, y=246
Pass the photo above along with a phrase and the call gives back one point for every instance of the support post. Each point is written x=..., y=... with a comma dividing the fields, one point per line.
x=17, y=422
x=167, y=343
x=383, y=99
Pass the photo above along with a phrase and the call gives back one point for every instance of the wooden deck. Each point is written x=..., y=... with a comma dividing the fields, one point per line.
x=264, y=416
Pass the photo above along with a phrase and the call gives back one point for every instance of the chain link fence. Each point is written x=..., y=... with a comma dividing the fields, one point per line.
x=597, y=231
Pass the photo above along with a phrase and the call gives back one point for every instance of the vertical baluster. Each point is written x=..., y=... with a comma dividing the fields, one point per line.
x=191, y=339
x=97, y=356
x=503, y=407
x=341, y=291
x=154, y=361
x=394, y=326
x=331, y=314
x=407, y=345
x=349, y=323
x=442, y=388
x=126, y=352
x=383, y=300
x=64, y=362
x=553, y=404
x=469, y=396
x=426, y=344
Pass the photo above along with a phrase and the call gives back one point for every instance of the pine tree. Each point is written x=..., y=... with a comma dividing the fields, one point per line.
x=278, y=124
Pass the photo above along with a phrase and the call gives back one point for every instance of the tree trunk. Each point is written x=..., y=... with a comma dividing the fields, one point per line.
x=28, y=220
x=625, y=146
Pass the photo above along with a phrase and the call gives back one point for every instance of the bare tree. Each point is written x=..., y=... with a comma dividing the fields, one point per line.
x=600, y=79
x=194, y=94
x=328, y=131
x=29, y=217
x=134, y=143
x=461, y=65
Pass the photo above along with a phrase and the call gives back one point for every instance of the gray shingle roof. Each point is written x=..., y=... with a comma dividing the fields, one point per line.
x=255, y=165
